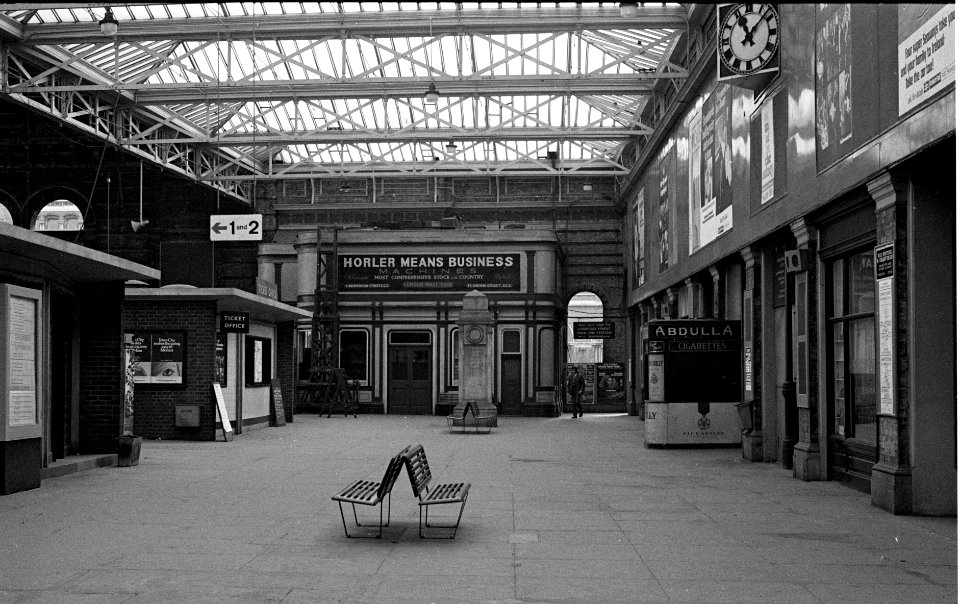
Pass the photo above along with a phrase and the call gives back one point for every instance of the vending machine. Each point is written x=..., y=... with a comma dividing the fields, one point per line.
x=692, y=382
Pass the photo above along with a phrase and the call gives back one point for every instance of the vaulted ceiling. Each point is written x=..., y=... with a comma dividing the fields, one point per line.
x=230, y=92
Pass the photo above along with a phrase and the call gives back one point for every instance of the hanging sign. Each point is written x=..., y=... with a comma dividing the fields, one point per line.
x=236, y=227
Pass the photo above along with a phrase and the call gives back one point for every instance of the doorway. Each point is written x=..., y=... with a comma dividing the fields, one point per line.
x=409, y=383
x=511, y=385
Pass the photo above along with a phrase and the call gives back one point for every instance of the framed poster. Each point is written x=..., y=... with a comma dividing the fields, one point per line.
x=258, y=361
x=220, y=359
x=157, y=357
x=20, y=377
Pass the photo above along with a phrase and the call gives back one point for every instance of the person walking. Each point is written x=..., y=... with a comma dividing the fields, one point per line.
x=576, y=387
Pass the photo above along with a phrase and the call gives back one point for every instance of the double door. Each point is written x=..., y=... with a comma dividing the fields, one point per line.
x=409, y=384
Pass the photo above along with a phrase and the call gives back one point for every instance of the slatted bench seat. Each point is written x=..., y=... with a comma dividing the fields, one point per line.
x=470, y=413
x=420, y=477
x=367, y=492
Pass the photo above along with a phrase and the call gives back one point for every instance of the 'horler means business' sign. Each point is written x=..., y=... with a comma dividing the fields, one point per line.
x=450, y=272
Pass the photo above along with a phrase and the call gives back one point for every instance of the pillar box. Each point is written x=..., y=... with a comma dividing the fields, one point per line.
x=476, y=356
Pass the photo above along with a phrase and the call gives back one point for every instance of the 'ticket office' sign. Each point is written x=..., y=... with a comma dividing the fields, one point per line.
x=409, y=272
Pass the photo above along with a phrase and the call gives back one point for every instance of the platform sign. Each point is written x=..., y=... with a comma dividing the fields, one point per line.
x=236, y=227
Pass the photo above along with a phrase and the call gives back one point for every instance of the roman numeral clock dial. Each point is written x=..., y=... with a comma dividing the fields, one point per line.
x=749, y=38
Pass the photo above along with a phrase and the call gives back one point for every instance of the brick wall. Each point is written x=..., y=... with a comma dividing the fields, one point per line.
x=101, y=367
x=154, y=405
x=286, y=365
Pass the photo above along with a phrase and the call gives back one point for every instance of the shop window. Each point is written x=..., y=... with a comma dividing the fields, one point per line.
x=852, y=335
x=353, y=354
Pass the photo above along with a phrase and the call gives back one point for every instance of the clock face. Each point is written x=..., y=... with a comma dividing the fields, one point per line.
x=749, y=37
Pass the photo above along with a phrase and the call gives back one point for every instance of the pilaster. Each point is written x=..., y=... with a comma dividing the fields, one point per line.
x=891, y=484
x=807, y=461
x=752, y=348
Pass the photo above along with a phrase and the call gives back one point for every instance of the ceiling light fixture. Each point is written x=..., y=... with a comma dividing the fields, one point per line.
x=587, y=187
x=431, y=96
x=451, y=147
x=628, y=10
x=109, y=23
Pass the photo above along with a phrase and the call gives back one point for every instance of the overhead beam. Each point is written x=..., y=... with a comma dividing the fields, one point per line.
x=189, y=93
x=374, y=24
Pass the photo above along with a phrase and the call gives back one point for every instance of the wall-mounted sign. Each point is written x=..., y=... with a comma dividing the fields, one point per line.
x=594, y=330
x=234, y=321
x=220, y=359
x=701, y=361
x=886, y=335
x=236, y=227
x=447, y=272
x=267, y=289
x=157, y=357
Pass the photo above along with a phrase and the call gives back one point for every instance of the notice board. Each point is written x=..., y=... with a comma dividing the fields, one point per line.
x=276, y=402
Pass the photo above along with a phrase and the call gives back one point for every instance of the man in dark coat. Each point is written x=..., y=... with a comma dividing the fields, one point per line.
x=576, y=387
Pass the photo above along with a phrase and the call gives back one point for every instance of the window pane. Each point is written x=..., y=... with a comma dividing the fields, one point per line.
x=839, y=380
x=836, y=307
x=861, y=283
x=511, y=342
x=353, y=354
x=863, y=392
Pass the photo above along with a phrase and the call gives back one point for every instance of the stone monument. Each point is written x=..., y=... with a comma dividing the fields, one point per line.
x=476, y=357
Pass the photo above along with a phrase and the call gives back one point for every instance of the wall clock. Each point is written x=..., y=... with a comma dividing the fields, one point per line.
x=748, y=42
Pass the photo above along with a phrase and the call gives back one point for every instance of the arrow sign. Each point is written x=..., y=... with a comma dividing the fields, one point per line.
x=236, y=227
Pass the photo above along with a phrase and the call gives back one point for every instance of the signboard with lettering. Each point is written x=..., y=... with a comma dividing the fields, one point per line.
x=411, y=272
x=20, y=377
x=234, y=321
x=236, y=227
x=701, y=360
x=594, y=330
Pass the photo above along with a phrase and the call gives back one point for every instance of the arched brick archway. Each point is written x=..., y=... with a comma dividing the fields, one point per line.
x=40, y=199
x=8, y=204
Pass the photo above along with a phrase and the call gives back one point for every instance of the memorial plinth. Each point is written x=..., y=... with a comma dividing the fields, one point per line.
x=476, y=358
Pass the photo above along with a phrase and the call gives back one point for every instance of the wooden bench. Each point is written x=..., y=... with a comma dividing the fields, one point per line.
x=441, y=494
x=367, y=492
x=470, y=409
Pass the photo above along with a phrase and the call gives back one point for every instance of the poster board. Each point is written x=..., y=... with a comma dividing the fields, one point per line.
x=158, y=357
x=21, y=320
x=222, y=412
x=276, y=404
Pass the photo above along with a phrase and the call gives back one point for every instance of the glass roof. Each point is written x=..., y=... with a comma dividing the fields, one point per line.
x=328, y=88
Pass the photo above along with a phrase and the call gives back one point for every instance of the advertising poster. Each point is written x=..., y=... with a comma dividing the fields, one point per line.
x=610, y=384
x=157, y=357
x=708, y=200
x=450, y=272
x=663, y=228
x=639, y=241
x=926, y=59
x=766, y=152
x=695, y=188
x=723, y=159
x=884, y=263
x=257, y=361
x=220, y=359
x=833, y=80
x=22, y=359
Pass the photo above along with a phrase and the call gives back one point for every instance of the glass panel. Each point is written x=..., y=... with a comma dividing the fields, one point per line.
x=398, y=365
x=861, y=283
x=863, y=392
x=409, y=337
x=839, y=380
x=455, y=357
x=511, y=342
x=353, y=354
x=836, y=306
x=421, y=365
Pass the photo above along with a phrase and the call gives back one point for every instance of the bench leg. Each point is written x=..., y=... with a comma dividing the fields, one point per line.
x=425, y=521
x=356, y=520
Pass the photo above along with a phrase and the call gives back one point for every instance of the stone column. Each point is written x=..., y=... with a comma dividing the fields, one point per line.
x=306, y=248
x=806, y=453
x=752, y=349
x=476, y=358
x=695, y=295
x=672, y=300
x=892, y=478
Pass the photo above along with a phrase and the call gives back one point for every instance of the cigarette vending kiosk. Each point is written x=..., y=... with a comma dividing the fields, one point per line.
x=692, y=382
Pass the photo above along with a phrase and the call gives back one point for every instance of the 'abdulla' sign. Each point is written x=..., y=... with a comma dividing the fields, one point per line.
x=452, y=272
x=693, y=360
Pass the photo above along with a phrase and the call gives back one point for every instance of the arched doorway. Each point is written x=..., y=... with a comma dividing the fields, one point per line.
x=584, y=307
x=59, y=215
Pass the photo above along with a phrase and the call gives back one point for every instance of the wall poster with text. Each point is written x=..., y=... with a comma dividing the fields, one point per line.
x=723, y=158
x=157, y=357
x=695, y=188
x=664, y=214
x=926, y=59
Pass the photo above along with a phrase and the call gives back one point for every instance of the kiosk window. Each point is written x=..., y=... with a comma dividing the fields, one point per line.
x=353, y=354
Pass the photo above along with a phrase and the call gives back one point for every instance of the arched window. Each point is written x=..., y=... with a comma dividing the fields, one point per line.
x=5, y=215
x=59, y=215
x=585, y=307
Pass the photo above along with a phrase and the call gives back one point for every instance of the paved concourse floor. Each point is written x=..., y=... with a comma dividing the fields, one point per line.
x=560, y=510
